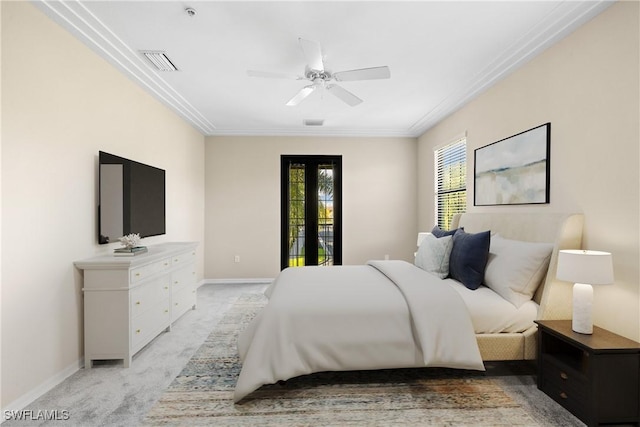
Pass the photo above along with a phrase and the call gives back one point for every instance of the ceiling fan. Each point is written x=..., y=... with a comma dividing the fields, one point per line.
x=322, y=78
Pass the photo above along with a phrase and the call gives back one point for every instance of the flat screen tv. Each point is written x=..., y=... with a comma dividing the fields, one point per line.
x=131, y=199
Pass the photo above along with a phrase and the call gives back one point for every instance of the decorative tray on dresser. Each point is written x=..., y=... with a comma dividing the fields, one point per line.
x=596, y=377
x=128, y=301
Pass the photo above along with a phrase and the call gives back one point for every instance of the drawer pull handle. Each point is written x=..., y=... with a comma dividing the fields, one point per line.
x=137, y=302
x=176, y=260
x=137, y=331
x=137, y=274
x=166, y=263
x=176, y=282
x=176, y=304
x=166, y=287
x=564, y=375
x=563, y=395
x=166, y=311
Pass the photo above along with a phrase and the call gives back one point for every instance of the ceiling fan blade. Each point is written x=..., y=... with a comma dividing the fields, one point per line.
x=313, y=53
x=300, y=96
x=272, y=75
x=343, y=94
x=363, y=74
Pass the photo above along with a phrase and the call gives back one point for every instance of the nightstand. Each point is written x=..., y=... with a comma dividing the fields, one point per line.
x=596, y=377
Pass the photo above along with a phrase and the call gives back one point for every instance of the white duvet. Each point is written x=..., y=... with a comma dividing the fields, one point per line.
x=386, y=314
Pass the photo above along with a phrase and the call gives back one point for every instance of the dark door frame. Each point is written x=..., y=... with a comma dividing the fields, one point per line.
x=311, y=162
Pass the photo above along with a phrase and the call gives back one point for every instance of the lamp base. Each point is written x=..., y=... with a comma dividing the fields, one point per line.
x=582, y=322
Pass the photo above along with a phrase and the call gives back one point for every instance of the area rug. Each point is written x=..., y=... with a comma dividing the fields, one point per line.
x=202, y=394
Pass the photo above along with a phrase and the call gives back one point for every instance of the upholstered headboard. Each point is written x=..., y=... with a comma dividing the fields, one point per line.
x=563, y=230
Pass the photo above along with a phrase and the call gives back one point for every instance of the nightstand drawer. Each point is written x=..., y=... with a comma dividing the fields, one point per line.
x=567, y=380
x=568, y=399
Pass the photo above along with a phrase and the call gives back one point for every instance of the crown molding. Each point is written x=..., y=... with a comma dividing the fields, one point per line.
x=76, y=18
x=559, y=23
x=362, y=133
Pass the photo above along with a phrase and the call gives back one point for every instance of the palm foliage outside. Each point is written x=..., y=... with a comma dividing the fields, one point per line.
x=297, y=219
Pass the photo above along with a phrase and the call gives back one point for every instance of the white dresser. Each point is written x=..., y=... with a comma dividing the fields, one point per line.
x=128, y=301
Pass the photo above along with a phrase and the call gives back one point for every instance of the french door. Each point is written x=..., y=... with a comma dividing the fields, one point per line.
x=311, y=210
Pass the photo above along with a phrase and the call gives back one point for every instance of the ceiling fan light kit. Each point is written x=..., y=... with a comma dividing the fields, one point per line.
x=319, y=77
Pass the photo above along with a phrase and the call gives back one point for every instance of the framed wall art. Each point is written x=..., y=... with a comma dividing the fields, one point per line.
x=514, y=170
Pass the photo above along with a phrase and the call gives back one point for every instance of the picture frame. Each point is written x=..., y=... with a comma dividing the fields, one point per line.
x=514, y=170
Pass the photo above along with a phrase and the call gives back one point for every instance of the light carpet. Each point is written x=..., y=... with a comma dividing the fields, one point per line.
x=203, y=392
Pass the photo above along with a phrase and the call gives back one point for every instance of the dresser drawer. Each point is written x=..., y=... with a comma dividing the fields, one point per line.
x=183, y=258
x=182, y=301
x=145, y=271
x=149, y=294
x=148, y=324
x=182, y=277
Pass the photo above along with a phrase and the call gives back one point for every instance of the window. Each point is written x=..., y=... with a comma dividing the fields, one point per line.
x=450, y=181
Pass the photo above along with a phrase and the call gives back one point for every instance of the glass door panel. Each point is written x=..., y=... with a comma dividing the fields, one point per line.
x=325, y=213
x=296, y=208
x=310, y=211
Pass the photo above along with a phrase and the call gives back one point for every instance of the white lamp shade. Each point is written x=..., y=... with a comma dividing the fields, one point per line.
x=590, y=267
x=421, y=237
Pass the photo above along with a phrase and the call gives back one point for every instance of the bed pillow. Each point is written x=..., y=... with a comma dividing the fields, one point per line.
x=439, y=232
x=433, y=255
x=516, y=268
x=469, y=257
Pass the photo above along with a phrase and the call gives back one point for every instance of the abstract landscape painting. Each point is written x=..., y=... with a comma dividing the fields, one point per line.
x=514, y=170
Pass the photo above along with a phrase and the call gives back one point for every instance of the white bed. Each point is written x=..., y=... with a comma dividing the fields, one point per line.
x=492, y=314
x=391, y=314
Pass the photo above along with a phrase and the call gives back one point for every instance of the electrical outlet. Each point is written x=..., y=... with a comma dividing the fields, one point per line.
x=236, y=258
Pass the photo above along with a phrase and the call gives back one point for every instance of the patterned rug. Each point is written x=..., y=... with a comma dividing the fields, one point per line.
x=203, y=392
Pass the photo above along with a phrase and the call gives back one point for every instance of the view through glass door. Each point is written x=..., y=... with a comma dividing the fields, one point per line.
x=311, y=211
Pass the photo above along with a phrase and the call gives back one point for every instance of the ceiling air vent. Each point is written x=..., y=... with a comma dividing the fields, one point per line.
x=159, y=60
x=313, y=122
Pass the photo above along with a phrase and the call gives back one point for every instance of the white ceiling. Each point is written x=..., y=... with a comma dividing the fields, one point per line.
x=441, y=55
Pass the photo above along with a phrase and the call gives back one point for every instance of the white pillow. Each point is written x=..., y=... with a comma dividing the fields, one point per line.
x=516, y=268
x=433, y=255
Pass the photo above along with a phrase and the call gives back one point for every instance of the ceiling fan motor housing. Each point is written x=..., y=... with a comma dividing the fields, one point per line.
x=319, y=77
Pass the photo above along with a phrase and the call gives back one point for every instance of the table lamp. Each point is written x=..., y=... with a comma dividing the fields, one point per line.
x=584, y=268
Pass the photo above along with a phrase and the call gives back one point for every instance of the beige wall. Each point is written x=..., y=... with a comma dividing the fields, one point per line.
x=587, y=87
x=243, y=200
x=61, y=104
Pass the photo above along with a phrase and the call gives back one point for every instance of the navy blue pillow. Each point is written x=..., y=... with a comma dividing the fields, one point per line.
x=469, y=258
x=439, y=232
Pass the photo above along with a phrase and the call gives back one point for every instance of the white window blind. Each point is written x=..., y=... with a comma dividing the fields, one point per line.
x=450, y=181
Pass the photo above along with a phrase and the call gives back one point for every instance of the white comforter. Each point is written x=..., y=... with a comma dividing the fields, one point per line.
x=386, y=314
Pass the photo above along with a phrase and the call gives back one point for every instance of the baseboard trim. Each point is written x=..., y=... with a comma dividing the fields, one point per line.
x=235, y=281
x=37, y=392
